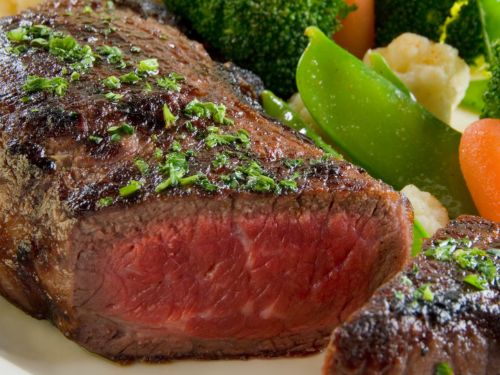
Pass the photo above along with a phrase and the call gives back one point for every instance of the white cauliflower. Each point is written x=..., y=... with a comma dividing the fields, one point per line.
x=433, y=72
x=427, y=209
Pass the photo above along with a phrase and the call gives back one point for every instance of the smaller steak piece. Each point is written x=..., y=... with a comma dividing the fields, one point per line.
x=431, y=316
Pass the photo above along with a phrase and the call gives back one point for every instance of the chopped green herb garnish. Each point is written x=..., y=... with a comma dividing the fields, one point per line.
x=148, y=87
x=399, y=295
x=113, y=97
x=257, y=181
x=221, y=160
x=109, y=30
x=148, y=67
x=175, y=167
x=114, y=55
x=406, y=281
x=39, y=43
x=168, y=116
x=57, y=85
x=205, y=183
x=17, y=35
x=424, y=292
x=142, y=166
x=132, y=188
x=105, y=202
x=171, y=82
x=293, y=163
x=130, y=78
x=112, y=82
x=215, y=138
x=95, y=138
x=467, y=257
x=110, y=5
x=208, y=110
x=176, y=146
x=87, y=9
x=135, y=49
x=117, y=132
x=476, y=281
x=158, y=154
x=190, y=127
x=75, y=76
x=443, y=368
x=290, y=183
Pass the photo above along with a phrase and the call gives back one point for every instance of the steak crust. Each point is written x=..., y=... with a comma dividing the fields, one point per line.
x=459, y=327
x=187, y=272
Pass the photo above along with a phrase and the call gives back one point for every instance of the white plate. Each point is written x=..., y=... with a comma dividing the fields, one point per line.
x=29, y=346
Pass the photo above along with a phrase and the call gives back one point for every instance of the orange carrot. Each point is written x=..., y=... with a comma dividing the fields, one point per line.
x=480, y=163
x=358, y=32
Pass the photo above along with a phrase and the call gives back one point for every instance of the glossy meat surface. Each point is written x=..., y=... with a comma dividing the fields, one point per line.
x=181, y=234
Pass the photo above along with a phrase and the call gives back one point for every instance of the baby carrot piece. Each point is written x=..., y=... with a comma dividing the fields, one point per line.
x=358, y=32
x=480, y=164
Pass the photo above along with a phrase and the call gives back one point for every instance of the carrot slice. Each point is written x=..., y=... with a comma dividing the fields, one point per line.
x=358, y=32
x=480, y=163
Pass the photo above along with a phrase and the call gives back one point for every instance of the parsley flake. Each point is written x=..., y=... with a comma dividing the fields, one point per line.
x=168, y=116
x=131, y=189
x=57, y=85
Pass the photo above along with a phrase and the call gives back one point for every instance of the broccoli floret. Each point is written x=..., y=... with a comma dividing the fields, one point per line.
x=265, y=36
x=465, y=32
x=423, y=17
x=456, y=22
x=492, y=95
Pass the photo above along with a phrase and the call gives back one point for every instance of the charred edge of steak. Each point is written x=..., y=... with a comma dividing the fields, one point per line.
x=428, y=314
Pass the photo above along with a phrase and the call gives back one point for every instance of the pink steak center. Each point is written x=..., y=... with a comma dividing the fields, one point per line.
x=211, y=276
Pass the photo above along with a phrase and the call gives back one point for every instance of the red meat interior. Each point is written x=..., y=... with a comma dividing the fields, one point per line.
x=216, y=276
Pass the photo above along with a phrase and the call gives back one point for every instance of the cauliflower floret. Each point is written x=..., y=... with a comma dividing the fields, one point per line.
x=433, y=72
x=427, y=209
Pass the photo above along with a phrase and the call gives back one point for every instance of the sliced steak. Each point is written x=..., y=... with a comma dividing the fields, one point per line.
x=442, y=312
x=189, y=232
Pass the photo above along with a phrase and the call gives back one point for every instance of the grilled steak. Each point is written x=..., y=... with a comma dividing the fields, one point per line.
x=441, y=313
x=151, y=213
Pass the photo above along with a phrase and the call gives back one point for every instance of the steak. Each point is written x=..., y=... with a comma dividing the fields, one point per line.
x=151, y=212
x=442, y=312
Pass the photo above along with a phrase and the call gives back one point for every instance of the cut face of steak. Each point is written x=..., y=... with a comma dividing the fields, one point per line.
x=443, y=311
x=151, y=213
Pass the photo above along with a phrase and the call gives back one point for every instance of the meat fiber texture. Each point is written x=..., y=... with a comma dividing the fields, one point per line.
x=402, y=332
x=260, y=252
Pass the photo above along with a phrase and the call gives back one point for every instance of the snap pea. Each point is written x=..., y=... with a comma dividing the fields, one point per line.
x=280, y=110
x=380, y=65
x=378, y=126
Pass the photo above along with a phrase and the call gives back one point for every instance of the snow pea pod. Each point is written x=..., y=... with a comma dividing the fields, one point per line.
x=280, y=110
x=378, y=126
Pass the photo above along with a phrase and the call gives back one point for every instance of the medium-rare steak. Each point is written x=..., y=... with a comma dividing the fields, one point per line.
x=439, y=316
x=151, y=213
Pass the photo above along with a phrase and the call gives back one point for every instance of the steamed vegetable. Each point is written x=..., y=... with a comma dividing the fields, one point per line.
x=433, y=72
x=468, y=25
x=480, y=162
x=265, y=36
x=280, y=110
x=380, y=127
x=357, y=34
x=491, y=97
